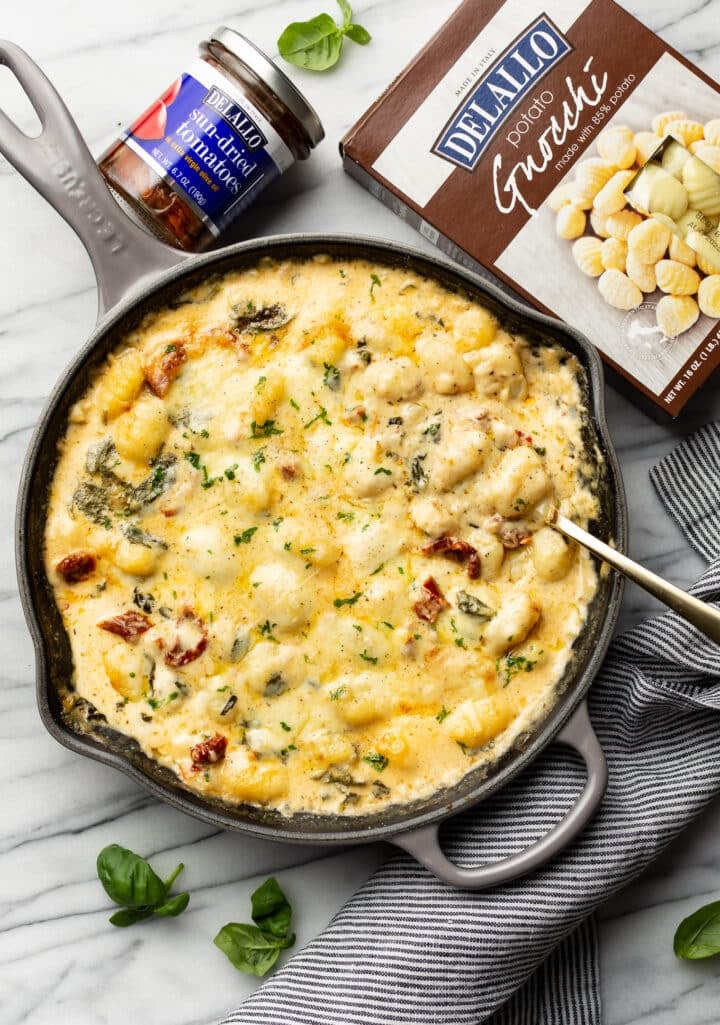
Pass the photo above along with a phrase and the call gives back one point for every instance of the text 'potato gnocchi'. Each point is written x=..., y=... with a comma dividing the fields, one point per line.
x=297, y=535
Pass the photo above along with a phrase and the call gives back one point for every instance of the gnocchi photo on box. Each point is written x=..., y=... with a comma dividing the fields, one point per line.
x=573, y=154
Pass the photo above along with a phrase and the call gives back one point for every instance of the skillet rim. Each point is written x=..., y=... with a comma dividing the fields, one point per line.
x=398, y=818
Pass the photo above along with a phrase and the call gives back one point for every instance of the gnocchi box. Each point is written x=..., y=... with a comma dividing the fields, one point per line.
x=571, y=153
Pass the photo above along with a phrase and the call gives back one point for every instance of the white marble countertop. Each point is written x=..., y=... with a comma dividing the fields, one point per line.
x=60, y=962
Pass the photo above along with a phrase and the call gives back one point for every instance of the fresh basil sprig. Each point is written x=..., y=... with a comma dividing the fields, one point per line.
x=698, y=935
x=130, y=882
x=317, y=44
x=254, y=949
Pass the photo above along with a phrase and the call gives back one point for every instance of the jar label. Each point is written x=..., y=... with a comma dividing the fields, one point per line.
x=209, y=140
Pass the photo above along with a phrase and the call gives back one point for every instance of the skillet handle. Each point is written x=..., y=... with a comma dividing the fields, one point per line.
x=424, y=846
x=60, y=166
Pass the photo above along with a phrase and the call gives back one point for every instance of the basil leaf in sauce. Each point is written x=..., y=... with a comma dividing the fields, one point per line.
x=253, y=321
x=698, y=935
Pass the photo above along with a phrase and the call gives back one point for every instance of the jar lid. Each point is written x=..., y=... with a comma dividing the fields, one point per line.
x=270, y=73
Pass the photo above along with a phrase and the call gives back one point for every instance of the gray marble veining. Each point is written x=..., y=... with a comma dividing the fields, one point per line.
x=60, y=962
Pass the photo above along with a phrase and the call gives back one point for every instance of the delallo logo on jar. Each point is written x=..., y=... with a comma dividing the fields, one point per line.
x=200, y=155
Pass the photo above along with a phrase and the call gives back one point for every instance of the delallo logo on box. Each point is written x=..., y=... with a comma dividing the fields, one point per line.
x=476, y=121
x=236, y=117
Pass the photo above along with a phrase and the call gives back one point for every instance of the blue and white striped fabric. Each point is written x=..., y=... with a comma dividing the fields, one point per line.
x=408, y=950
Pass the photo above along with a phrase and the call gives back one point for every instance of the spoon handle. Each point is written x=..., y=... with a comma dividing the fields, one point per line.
x=702, y=615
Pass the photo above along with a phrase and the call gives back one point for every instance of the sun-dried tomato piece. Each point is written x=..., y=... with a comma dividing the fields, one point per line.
x=453, y=547
x=180, y=656
x=208, y=752
x=77, y=566
x=288, y=472
x=432, y=602
x=127, y=625
x=162, y=372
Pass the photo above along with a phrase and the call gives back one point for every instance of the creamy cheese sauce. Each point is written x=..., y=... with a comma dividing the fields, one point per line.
x=296, y=535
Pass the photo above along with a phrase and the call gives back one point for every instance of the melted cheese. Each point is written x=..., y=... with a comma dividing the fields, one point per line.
x=319, y=425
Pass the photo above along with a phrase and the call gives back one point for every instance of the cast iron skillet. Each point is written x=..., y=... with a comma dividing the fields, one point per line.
x=135, y=274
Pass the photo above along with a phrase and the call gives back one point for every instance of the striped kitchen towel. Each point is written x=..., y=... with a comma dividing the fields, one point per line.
x=409, y=950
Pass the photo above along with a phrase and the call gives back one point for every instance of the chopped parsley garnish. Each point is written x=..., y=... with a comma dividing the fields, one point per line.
x=284, y=726
x=511, y=665
x=383, y=469
x=245, y=537
x=161, y=703
x=378, y=761
x=287, y=546
x=335, y=695
x=264, y=430
x=388, y=625
x=433, y=430
x=276, y=523
x=260, y=383
x=307, y=551
x=286, y=750
x=518, y=504
x=378, y=569
x=346, y=458
x=356, y=626
x=346, y=516
x=540, y=449
x=266, y=630
x=460, y=641
x=368, y=658
x=294, y=404
x=331, y=377
x=376, y=283
x=463, y=747
x=339, y=602
x=171, y=348
x=443, y=714
x=230, y=471
x=322, y=415
x=194, y=459
x=258, y=459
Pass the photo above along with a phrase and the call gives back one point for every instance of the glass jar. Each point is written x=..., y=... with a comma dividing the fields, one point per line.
x=200, y=155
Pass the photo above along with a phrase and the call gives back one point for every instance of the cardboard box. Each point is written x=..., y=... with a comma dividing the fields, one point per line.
x=506, y=103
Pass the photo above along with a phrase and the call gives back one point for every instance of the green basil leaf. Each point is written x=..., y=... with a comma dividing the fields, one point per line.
x=128, y=879
x=698, y=935
x=271, y=911
x=173, y=907
x=129, y=916
x=358, y=34
x=346, y=12
x=249, y=949
x=315, y=44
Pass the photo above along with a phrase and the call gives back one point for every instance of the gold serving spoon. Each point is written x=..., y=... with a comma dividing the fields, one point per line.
x=702, y=615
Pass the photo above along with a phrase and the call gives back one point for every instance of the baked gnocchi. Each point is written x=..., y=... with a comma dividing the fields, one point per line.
x=297, y=537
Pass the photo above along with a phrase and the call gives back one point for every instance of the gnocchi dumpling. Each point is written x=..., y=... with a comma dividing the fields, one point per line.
x=592, y=174
x=712, y=131
x=640, y=273
x=622, y=223
x=552, y=555
x=474, y=723
x=702, y=185
x=613, y=254
x=617, y=146
x=661, y=121
x=681, y=251
x=587, y=252
x=520, y=482
x=676, y=278
x=120, y=384
x=645, y=144
x=139, y=432
x=512, y=623
x=649, y=241
x=685, y=130
x=611, y=197
x=619, y=291
x=675, y=314
x=570, y=222
x=709, y=296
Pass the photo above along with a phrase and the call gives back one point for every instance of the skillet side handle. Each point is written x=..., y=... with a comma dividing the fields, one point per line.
x=58, y=164
x=423, y=844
